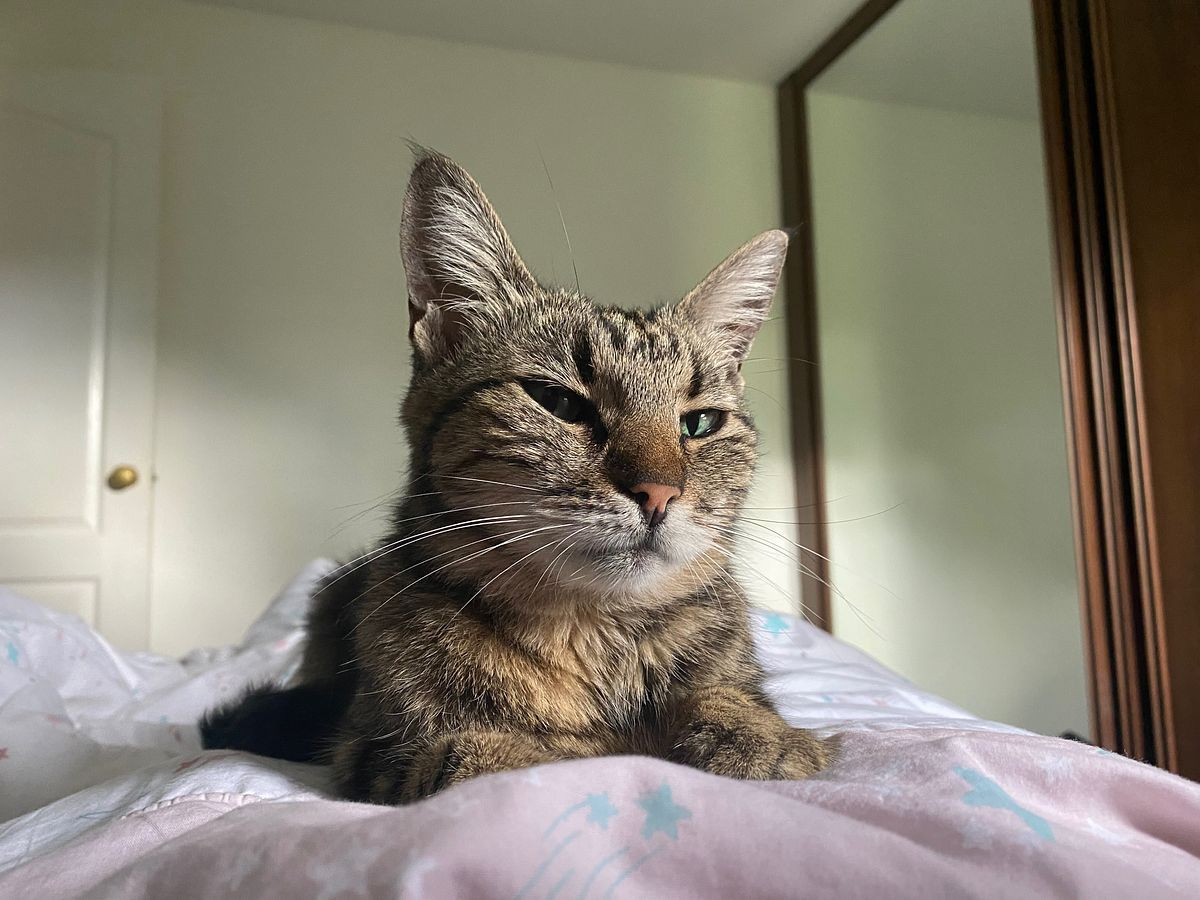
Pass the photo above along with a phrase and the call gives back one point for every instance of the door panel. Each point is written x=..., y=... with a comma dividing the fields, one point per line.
x=55, y=200
x=75, y=597
x=78, y=248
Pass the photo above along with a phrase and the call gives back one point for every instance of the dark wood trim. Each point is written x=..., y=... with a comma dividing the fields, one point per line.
x=803, y=351
x=839, y=42
x=1121, y=142
x=1148, y=90
x=1103, y=519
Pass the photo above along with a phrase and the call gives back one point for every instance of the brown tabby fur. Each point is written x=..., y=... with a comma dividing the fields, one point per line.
x=522, y=610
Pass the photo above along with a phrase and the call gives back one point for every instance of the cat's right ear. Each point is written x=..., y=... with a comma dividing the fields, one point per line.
x=457, y=256
x=731, y=303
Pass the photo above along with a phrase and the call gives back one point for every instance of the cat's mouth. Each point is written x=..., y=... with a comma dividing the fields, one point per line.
x=638, y=550
x=602, y=552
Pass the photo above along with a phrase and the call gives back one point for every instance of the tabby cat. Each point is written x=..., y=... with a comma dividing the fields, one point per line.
x=556, y=580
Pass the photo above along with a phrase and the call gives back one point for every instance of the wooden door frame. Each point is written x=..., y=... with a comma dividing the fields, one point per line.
x=803, y=351
x=1137, y=638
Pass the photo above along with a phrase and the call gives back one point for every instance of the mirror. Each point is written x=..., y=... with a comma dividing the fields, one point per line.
x=945, y=462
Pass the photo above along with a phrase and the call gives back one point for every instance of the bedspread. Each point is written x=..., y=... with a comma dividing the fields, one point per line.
x=106, y=793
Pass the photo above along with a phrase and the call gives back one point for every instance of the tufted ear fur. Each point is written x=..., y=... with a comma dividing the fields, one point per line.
x=732, y=301
x=457, y=256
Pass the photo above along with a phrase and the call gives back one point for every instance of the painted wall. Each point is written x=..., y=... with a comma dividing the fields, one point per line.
x=945, y=445
x=281, y=331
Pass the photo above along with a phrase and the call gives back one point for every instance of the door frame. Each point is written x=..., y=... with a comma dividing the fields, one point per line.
x=804, y=384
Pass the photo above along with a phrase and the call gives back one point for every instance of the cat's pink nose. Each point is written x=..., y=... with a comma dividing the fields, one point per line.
x=653, y=499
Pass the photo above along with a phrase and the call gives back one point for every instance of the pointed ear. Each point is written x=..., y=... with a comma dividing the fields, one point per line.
x=731, y=303
x=457, y=256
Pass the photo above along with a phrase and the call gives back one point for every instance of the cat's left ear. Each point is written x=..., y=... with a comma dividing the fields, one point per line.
x=731, y=303
x=457, y=256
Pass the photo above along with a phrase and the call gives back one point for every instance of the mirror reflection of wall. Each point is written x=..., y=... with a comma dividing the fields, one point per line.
x=945, y=457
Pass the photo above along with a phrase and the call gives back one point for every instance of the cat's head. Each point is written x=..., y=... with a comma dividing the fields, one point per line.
x=610, y=449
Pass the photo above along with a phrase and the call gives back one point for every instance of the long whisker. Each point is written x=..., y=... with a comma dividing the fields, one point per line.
x=423, y=560
x=485, y=585
x=562, y=565
x=520, y=487
x=779, y=359
x=385, y=549
x=517, y=571
x=453, y=562
x=454, y=526
x=370, y=506
x=396, y=523
x=546, y=573
x=757, y=523
x=808, y=611
x=805, y=569
x=698, y=566
x=832, y=521
x=562, y=221
x=742, y=506
x=759, y=575
x=783, y=552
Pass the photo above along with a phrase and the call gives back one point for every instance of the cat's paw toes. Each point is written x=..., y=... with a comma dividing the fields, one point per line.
x=737, y=751
x=751, y=751
x=439, y=767
x=802, y=754
x=468, y=754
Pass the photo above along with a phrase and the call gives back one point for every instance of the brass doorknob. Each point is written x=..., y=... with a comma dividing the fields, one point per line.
x=122, y=477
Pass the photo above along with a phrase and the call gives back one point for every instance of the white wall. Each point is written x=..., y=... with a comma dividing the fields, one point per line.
x=281, y=334
x=941, y=393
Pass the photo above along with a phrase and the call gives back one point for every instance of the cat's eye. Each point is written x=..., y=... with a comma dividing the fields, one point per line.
x=564, y=404
x=700, y=423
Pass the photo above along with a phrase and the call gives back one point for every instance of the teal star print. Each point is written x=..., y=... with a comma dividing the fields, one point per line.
x=662, y=813
x=600, y=809
x=985, y=792
x=775, y=623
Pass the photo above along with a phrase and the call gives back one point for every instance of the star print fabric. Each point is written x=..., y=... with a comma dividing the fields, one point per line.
x=106, y=793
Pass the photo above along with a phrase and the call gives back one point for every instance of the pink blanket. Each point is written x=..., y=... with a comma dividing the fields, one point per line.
x=904, y=813
x=104, y=792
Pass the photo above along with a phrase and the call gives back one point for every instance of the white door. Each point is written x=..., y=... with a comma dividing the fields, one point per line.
x=79, y=157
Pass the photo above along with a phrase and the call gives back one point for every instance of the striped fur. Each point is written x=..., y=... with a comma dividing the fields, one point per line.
x=521, y=609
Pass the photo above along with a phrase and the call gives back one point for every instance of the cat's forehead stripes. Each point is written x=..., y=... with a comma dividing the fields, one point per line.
x=696, y=384
x=582, y=354
x=630, y=361
x=638, y=333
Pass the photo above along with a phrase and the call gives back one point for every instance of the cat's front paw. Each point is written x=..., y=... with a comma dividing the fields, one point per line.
x=437, y=768
x=738, y=739
x=802, y=754
x=456, y=758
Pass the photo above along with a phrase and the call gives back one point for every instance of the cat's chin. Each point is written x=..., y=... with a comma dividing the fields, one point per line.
x=642, y=568
x=633, y=572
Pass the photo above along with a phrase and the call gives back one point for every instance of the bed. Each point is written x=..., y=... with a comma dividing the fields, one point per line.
x=104, y=791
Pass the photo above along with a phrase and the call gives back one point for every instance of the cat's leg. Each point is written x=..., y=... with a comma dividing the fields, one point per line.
x=727, y=731
x=456, y=757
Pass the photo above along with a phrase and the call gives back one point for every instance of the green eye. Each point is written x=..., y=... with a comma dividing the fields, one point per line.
x=700, y=423
x=563, y=404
